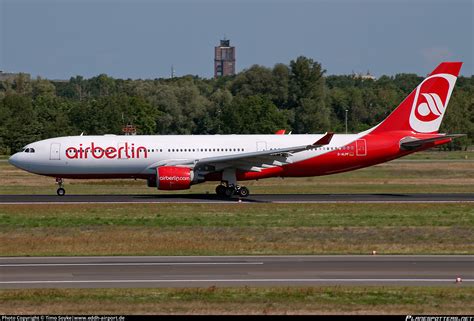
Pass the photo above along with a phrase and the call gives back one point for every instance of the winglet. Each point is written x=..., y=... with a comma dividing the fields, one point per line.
x=280, y=132
x=325, y=140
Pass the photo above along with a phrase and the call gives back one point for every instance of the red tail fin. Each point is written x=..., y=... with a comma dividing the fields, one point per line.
x=423, y=110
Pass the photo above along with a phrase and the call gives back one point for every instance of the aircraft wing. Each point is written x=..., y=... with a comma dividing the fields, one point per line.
x=253, y=161
x=413, y=143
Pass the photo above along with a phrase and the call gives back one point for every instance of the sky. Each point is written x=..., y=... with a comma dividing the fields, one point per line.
x=58, y=39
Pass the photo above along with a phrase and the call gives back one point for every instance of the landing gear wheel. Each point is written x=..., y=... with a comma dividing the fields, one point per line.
x=61, y=191
x=244, y=191
x=229, y=191
x=220, y=190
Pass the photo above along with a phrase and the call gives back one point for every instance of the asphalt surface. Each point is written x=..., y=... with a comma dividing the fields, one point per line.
x=202, y=271
x=257, y=198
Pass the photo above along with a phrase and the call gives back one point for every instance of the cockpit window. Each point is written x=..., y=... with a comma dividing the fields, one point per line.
x=32, y=150
x=29, y=150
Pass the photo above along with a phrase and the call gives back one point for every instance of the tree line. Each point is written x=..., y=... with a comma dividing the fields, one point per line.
x=298, y=97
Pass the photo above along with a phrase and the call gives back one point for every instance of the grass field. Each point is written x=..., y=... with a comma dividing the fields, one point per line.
x=224, y=229
x=312, y=300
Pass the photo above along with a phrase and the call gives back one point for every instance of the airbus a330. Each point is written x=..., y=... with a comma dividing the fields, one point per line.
x=172, y=162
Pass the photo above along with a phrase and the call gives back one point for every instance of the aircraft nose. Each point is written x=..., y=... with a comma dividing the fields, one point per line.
x=15, y=160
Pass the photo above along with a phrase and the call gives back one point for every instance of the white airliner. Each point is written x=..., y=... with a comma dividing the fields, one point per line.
x=176, y=162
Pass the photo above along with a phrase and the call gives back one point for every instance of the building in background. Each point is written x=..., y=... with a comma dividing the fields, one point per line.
x=368, y=75
x=11, y=76
x=224, y=59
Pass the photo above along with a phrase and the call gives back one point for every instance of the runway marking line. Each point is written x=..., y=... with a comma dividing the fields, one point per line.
x=453, y=280
x=309, y=256
x=129, y=264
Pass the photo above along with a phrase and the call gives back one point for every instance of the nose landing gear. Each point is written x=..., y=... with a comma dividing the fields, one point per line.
x=60, y=191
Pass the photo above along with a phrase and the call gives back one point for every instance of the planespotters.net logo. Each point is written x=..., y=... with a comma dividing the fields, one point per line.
x=429, y=105
x=439, y=318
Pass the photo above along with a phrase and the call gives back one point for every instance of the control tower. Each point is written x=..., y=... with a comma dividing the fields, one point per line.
x=224, y=59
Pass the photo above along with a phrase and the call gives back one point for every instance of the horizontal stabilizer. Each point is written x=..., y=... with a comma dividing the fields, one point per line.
x=412, y=143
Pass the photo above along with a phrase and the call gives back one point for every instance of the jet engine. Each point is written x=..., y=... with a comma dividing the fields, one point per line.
x=174, y=178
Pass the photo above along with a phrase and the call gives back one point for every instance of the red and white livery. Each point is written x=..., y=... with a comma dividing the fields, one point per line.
x=176, y=162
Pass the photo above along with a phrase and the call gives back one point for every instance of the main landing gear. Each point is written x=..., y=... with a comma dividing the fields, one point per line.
x=228, y=190
x=60, y=191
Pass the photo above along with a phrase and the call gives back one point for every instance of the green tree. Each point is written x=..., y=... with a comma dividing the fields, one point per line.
x=19, y=125
x=211, y=122
x=42, y=87
x=306, y=96
x=252, y=115
x=281, y=79
x=52, y=115
x=459, y=119
x=257, y=80
x=22, y=84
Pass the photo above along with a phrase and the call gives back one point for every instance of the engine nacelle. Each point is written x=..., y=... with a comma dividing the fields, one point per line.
x=173, y=178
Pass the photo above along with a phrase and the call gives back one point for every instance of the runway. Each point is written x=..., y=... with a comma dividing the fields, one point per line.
x=202, y=271
x=257, y=198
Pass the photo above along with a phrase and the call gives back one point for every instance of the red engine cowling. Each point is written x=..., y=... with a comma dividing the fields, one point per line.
x=173, y=178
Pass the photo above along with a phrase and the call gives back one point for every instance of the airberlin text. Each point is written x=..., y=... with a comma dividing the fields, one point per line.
x=97, y=152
